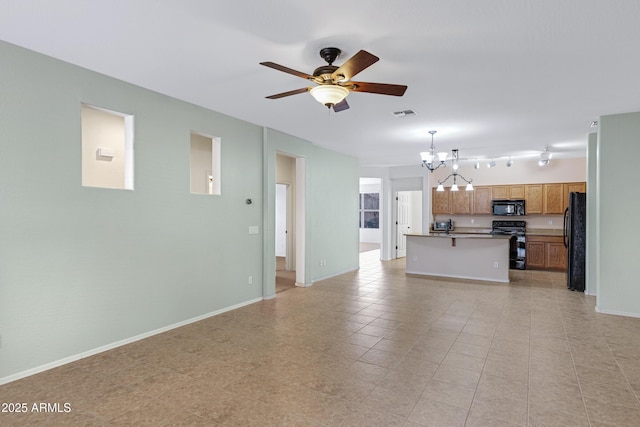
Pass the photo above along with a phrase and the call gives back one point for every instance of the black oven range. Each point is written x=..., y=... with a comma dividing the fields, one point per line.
x=517, y=231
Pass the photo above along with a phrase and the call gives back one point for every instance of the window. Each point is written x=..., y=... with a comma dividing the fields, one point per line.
x=204, y=164
x=107, y=148
x=369, y=210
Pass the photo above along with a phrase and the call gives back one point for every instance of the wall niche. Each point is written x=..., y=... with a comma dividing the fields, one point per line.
x=107, y=148
x=204, y=164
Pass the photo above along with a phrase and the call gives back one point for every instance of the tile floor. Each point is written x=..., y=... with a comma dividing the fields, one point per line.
x=370, y=348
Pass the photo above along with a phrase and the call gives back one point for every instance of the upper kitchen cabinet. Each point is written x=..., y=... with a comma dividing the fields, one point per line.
x=462, y=202
x=553, y=199
x=440, y=201
x=504, y=192
x=499, y=192
x=516, y=192
x=482, y=200
x=533, y=198
x=579, y=187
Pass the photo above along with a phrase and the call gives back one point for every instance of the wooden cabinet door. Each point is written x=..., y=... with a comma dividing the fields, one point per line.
x=553, y=199
x=440, y=201
x=461, y=202
x=533, y=198
x=499, y=192
x=482, y=200
x=580, y=187
x=535, y=255
x=556, y=256
x=516, y=192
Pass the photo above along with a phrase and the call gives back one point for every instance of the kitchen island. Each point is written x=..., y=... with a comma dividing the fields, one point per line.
x=463, y=256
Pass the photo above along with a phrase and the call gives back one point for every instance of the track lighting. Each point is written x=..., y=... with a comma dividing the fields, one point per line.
x=491, y=164
x=545, y=157
x=509, y=162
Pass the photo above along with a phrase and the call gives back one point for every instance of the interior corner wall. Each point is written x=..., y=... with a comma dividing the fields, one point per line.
x=86, y=268
x=331, y=204
x=591, y=287
x=618, y=151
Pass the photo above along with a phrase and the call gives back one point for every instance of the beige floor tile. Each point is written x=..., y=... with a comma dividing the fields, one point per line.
x=448, y=393
x=431, y=413
x=509, y=410
x=496, y=387
x=457, y=376
x=611, y=414
x=543, y=416
x=373, y=347
x=463, y=361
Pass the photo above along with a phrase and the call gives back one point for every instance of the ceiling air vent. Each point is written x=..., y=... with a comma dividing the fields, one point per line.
x=404, y=113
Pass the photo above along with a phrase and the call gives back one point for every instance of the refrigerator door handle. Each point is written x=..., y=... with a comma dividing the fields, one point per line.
x=565, y=231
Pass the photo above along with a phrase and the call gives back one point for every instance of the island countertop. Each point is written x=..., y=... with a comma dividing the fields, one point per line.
x=459, y=236
x=465, y=256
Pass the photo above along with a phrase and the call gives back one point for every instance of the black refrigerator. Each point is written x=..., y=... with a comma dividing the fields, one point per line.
x=575, y=240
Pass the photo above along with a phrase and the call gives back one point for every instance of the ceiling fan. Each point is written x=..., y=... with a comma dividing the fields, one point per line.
x=334, y=83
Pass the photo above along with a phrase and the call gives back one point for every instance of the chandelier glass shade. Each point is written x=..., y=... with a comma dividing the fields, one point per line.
x=329, y=95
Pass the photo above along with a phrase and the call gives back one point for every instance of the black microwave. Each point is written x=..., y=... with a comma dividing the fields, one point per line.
x=507, y=207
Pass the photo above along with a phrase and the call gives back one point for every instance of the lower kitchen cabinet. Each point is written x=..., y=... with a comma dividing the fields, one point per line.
x=546, y=253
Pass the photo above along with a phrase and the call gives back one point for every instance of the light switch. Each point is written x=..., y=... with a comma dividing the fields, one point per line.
x=254, y=229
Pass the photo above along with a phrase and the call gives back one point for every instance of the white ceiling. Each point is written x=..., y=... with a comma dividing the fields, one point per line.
x=493, y=77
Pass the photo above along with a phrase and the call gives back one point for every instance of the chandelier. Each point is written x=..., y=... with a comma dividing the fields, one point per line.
x=455, y=175
x=433, y=161
x=429, y=157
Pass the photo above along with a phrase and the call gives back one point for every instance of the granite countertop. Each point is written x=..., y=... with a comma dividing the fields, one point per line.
x=458, y=235
x=529, y=232
x=545, y=232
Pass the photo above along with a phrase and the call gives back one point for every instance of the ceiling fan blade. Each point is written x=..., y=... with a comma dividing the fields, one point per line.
x=380, y=88
x=341, y=106
x=354, y=65
x=291, y=92
x=287, y=70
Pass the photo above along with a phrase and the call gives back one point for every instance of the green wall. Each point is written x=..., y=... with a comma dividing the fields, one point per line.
x=618, y=289
x=84, y=269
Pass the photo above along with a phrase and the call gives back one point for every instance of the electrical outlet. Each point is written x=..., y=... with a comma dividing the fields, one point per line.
x=415, y=257
x=251, y=280
x=473, y=221
x=550, y=222
x=496, y=264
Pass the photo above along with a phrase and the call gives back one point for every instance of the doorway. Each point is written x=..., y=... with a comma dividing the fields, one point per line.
x=285, y=274
x=288, y=217
x=408, y=218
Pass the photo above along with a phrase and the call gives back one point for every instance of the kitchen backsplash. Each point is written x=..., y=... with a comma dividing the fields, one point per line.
x=484, y=221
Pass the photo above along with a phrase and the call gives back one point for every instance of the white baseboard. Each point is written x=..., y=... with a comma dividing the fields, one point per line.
x=76, y=357
x=616, y=312
x=329, y=276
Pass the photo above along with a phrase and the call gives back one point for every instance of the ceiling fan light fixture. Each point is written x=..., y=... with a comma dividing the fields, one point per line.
x=329, y=95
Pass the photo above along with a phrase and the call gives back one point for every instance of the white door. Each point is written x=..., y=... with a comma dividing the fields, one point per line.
x=403, y=220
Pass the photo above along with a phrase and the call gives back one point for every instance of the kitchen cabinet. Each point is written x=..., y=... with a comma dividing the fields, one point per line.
x=499, y=192
x=482, y=200
x=440, y=201
x=580, y=187
x=540, y=199
x=462, y=202
x=516, y=192
x=504, y=192
x=553, y=199
x=546, y=253
x=533, y=198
